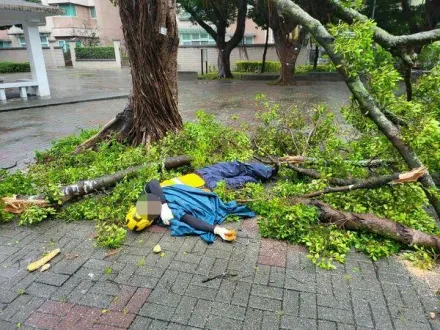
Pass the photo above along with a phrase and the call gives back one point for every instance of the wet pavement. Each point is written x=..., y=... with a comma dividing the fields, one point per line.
x=23, y=131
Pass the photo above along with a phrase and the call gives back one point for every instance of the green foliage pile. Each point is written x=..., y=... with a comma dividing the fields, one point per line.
x=14, y=67
x=98, y=53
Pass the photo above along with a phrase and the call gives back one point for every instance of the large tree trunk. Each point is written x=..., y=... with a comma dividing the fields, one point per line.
x=266, y=43
x=151, y=37
x=287, y=51
x=224, y=63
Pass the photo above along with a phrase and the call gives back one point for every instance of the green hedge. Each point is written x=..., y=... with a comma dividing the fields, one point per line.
x=255, y=66
x=96, y=53
x=12, y=67
x=275, y=66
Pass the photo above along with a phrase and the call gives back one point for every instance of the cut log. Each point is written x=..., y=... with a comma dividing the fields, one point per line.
x=18, y=204
x=372, y=224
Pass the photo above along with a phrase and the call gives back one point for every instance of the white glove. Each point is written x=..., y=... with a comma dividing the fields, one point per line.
x=166, y=215
x=225, y=234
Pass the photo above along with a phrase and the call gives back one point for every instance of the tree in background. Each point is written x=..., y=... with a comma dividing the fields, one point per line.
x=151, y=38
x=221, y=14
x=259, y=13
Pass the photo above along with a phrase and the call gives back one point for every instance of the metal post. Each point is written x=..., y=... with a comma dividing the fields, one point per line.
x=201, y=58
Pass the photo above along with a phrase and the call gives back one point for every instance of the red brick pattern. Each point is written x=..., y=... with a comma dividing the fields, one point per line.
x=139, y=298
x=272, y=253
x=121, y=313
x=122, y=299
x=250, y=225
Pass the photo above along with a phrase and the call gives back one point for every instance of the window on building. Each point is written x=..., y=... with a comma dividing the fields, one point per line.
x=247, y=41
x=5, y=44
x=92, y=12
x=188, y=39
x=63, y=44
x=44, y=40
x=69, y=9
x=22, y=41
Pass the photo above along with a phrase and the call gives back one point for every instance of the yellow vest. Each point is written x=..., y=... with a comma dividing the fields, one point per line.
x=192, y=180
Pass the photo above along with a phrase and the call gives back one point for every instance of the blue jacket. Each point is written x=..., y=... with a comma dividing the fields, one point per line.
x=206, y=206
x=235, y=174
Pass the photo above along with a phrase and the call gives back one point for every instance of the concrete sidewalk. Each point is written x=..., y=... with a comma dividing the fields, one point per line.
x=251, y=284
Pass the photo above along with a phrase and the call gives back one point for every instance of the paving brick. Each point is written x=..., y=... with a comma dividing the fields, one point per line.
x=241, y=294
x=184, y=310
x=307, y=305
x=53, y=279
x=116, y=319
x=205, y=265
x=63, y=292
x=265, y=291
x=408, y=324
x=222, y=323
x=253, y=319
x=107, y=288
x=277, y=276
x=176, y=326
x=96, y=300
x=262, y=274
x=163, y=297
x=270, y=320
x=291, y=302
x=183, y=267
x=267, y=304
x=218, y=254
x=226, y=291
x=15, y=306
x=159, y=312
x=6, y=296
x=231, y=311
x=412, y=314
x=143, y=281
x=331, y=314
x=331, y=301
x=207, y=281
x=199, y=319
x=43, y=321
x=326, y=325
x=69, y=267
x=300, y=281
x=201, y=292
x=26, y=310
x=137, y=301
x=55, y=308
x=122, y=299
x=293, y=322
x=140, y=323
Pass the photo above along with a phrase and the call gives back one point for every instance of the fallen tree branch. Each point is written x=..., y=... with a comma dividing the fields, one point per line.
x=373, y=182
x=18, y=204
x=372, y=224
x=360, y=163
x=382, y=37
x=367, y=103
x=314, y=174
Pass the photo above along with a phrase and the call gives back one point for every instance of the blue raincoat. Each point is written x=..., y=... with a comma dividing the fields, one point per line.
x=206, y=206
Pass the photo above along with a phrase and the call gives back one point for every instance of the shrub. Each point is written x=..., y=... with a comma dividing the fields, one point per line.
x=275, y=66
x=98, y=53
x=255, y=66
x=13, y=67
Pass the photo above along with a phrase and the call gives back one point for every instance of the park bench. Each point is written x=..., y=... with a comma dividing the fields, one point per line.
x=22, y=84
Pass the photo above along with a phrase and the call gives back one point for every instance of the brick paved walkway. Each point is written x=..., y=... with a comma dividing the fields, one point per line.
x=271, y=285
